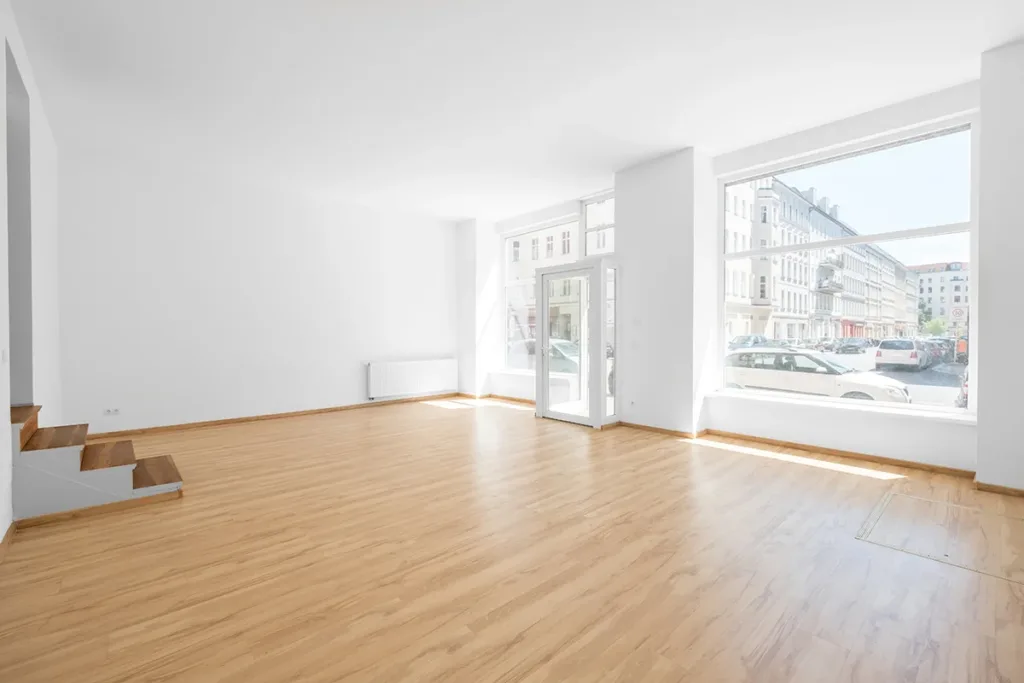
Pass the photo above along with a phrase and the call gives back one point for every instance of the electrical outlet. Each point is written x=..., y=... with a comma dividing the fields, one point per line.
x=111, y=411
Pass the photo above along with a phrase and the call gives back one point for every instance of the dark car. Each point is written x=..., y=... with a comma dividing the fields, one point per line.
x=748, y=340
x=854, y=345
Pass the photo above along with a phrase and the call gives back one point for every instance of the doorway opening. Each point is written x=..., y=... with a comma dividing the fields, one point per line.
x=576, y=373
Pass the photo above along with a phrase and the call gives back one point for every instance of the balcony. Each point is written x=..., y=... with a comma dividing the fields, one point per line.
x=829, y=286
x=833, y=261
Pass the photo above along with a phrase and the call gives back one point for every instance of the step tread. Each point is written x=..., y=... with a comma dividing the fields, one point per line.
x=155, y=472
x=57, y=437
x=110, y=454
x=22, y=414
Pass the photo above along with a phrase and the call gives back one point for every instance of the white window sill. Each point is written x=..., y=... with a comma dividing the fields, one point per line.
x=933, y=413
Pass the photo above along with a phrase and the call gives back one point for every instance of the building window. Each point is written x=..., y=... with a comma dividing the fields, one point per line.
x=743, y=206
x=875, y=287
x=735, y=206
x=520, y=292
x=599, y=226
x=566, y=242
x=549, y=246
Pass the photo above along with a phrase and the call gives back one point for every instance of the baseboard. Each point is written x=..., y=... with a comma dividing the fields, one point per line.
x=186, y=426
x=659, y=430
x=993, y=488
x=97, y=509
x=510, y=398
x=5, y=543
x=940, y=469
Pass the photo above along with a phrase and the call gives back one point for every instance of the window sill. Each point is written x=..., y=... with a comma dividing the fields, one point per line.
x=929, y=413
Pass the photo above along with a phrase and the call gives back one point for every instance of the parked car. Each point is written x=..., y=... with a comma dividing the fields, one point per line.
x=748, y=340
x=935, y=351
x=827, y=344
x=946, y=347
x=902, y=353
x=564, y=355
x=807, y=372
x=961, y=398
x=852, y=345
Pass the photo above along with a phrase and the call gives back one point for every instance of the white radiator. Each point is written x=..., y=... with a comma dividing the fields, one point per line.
x=390, y=379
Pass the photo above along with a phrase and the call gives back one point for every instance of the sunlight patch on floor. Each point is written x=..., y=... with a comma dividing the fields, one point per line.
x=799, y=460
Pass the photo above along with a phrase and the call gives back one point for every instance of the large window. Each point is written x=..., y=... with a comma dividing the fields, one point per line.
x=599, y=225
x=840, y=309
x=597, y=220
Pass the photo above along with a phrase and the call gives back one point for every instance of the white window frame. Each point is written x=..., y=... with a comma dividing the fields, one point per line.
x=521, y=226
x=936, y=127
x=598, y=230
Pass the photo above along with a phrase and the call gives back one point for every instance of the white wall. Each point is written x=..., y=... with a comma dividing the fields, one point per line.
x=19, y=234
x=996, y=280
x=480, y=304
x=665, y=246
x=187, y=298
x=45, y=335
x=947, y=441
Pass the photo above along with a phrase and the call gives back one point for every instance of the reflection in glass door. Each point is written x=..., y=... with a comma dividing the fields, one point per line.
x=567, y=367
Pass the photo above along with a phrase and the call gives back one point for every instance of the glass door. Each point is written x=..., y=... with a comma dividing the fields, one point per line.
x=576, y=340
x=565, y=359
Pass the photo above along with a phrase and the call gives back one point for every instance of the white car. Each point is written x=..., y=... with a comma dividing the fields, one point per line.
x=807, y=372
x=903, y=353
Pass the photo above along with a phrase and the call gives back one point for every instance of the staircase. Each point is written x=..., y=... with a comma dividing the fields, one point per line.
x=56, y=472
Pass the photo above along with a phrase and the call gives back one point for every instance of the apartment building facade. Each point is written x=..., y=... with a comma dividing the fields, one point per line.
x=944, y=290
x=849, y=291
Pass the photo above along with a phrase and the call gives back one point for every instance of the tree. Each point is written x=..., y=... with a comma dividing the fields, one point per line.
x=923, y=315
x=935, y=327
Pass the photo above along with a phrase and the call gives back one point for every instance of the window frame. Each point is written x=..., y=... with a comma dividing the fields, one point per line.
x=563, y=214
x=952, y=123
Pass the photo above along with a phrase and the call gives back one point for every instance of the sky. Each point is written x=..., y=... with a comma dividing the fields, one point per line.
x=910, y=186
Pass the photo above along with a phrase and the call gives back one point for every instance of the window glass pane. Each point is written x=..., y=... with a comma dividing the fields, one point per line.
x=520, y=327
x=521, y=262
x=600, y=214
x=858, y=327
x=569, y=339
x=601, y=241
x=914, y=185
x=609, y=351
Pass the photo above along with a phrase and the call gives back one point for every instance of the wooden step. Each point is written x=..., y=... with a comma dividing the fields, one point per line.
x=110, y=454
x=57, y=437
x=22, y=414
x=28, y=418
x=155, y=472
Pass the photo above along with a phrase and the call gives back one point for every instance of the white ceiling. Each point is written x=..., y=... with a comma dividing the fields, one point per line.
x=481, y=107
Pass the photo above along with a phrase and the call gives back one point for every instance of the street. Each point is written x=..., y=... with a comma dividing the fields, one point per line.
x=937, y=385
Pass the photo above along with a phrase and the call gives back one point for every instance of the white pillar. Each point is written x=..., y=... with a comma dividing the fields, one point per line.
x=667, y=244
x=479, y=305
x=995, y=282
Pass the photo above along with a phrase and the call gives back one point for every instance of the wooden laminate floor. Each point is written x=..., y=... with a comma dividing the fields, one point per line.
x=453, y=541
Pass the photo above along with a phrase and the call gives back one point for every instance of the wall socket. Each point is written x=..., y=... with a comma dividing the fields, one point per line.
x=111, y=411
